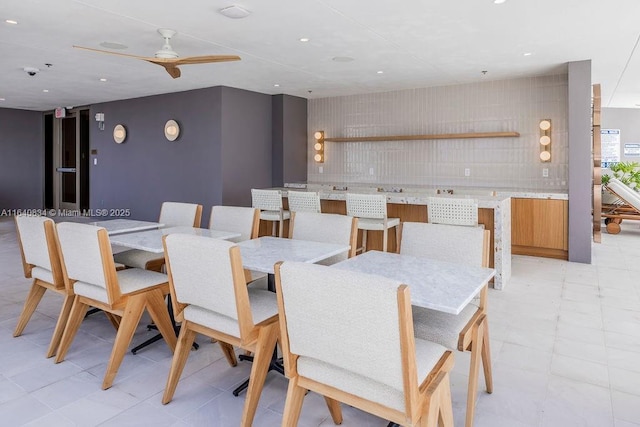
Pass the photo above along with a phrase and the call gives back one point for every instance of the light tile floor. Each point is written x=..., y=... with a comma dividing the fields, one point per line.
x=565, y=340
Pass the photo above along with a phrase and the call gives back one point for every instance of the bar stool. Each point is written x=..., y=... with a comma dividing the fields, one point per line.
x=371, y=211
x=307, y=201
x=453, y=211
x=270, y=204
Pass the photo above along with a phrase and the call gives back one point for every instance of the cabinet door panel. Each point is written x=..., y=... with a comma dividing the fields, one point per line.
x=522, y=222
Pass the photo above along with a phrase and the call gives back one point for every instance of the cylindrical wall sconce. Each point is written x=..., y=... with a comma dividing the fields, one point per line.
x=545, y=140
x=318, y=146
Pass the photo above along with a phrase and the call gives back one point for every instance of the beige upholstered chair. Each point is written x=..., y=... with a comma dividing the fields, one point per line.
x=89, y=273
x=469, y=330
x=308, y=201
x=38, y=243
x=452, y=211
x=329, y=228
x=172, y=214
x=371, y=211
x=209, y=293
x=243, y=220
x=349, y=337
x=270, y=204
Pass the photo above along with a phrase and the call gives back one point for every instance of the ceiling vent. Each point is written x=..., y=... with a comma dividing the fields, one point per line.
x=235, y=12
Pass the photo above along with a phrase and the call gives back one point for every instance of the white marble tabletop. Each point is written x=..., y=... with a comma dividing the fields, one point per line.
x=262, y=253
x=119, y=226
x=437, y=285
x=151, y=240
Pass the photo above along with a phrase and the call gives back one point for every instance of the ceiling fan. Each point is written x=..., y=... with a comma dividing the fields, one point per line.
x=168, y=58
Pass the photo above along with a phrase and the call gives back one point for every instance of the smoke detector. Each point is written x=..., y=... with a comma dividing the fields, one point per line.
x=235, y=12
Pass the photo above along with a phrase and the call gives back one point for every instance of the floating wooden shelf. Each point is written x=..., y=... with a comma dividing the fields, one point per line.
x=423, y=137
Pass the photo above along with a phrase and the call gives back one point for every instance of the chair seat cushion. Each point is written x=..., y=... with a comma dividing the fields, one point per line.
x=263, y=306
x=376, y=224
x=427, y=355
x=274, y=215
x=439, y=327
x=136, y=258
x=42, y=274
x=130, y=280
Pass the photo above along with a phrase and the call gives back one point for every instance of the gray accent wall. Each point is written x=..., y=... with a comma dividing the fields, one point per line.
x=580, y=162
x=289, y=139
x=21, y=159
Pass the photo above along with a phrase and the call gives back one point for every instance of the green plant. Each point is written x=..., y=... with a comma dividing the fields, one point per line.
x=626, y=172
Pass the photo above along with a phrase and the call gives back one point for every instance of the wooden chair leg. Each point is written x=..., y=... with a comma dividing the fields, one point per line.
x=474, y=371
x=444, y=403
x=63, y=317
x=281, y=228
x=160, y=316
x=293, y=403
x=267, y=338
x=113, y=319
x=130, y=319
x=334, y=409
x=229, y=353
x=486, y=357
x=364, y=241
x=180, y=356
x=385, y=239
x=78, y=311
x=33, y=299
x=273, y=228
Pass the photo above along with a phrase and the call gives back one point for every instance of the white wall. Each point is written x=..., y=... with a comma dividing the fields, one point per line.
x=492, y=106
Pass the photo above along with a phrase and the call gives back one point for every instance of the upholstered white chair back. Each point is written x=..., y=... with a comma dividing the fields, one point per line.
x=175, y=214
x=323, y=227
x=34, y=240
x=451, y=243
x=267, y=200
x=81, y=253
x=342, y=322
x=445, y=210
x=234, y=218
x=201, y=272
x=307, y=201
x=624, y=192
x=367, y=205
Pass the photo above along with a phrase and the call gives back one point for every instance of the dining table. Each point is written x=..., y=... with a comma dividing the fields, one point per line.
x=433, y=284
x=151, y=240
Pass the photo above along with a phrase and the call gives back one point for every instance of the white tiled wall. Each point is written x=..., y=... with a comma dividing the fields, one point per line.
x=494, y=106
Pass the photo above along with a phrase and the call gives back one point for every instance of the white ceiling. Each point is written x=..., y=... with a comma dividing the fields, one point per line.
x=417, y=43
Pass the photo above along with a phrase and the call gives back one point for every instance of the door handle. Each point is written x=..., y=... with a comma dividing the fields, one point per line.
x=73, y=170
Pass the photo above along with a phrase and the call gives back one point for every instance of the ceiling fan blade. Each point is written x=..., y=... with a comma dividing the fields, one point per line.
x=206, y=59
x=113, y=53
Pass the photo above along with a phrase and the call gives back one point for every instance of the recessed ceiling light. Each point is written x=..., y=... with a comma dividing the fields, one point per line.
x=527, y=54
x=234, y=12
x=113, y=45
x=380, y=72
x=276, y=85
x=45, y=90
x=342, y=59
x=103, y=79
x=2, y=99
x=11, y=21
x=499, y=1
x=304, y=39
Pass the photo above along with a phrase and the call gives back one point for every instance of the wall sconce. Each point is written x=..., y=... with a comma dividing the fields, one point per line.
x=171, y=130
x=545, y=140
x=119, y=134
x=100, y=120
x=319, y=146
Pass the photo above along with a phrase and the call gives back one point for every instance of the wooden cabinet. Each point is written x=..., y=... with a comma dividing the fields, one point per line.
x=539, y=227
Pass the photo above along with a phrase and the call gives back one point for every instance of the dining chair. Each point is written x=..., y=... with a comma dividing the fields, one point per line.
x=38, y=242
x=469, y=330
x=329, y=319
x=308, y=201
x=452, y=211
x=325, y=227
x=208, y=291
x=89, y=273
x=271, y=209
x=371, y=211
x=172, y=214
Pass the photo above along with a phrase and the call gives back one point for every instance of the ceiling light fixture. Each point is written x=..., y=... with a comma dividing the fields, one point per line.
x=527, y=54
x=103, y=79
x=499, y=1
x=380, y=72
x=11, y=21
x=2, y=99
x=234, y=12
x=276, y=85
x=45, y=90
x=304, y=39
